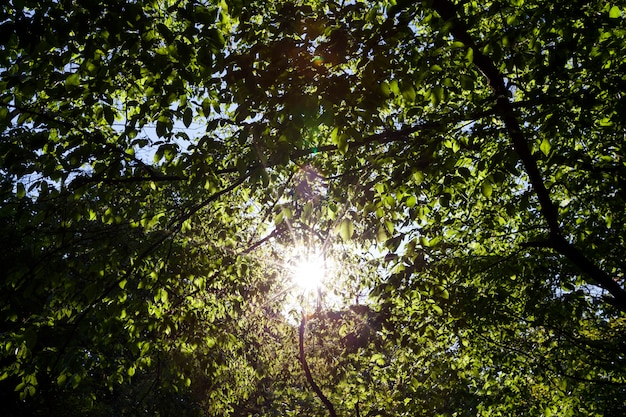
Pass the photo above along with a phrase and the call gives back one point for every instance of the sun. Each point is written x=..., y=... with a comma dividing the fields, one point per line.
x=309, y=271
x=313, y=279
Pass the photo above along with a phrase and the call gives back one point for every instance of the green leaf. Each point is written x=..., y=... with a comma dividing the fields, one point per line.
x=381, y=234
x=21, y=190
x=4, y=113
x=486, y=189
x=334, y=134
x=61, y=378
x=72, y=81
x=346, y=230
x=606, y=122
x=389, y=226
x=409, y=94
x=161, y=295
x=395, y=88
x=436, y=95
x=175, y=273
x=188, y=117
x=109, y=115
x=378, y=359
x=186, y=226
x=206, y=107
x=467, y=83
x=385, y=89
x=339, y=140
x=162, y=128
x=545, y=147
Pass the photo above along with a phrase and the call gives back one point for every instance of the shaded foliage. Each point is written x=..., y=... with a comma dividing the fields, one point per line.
x=461, y=163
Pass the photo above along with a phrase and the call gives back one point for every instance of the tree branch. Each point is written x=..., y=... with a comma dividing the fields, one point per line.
x=578, y=258
x=75, y=321
x=269, y=210
x=387, y=136
x=207, y=201
x=252, y=246
x=504, y=107
x=390, y=136
x=84, y=180
x=44, y=116
x=485, y=65
x=307, y=371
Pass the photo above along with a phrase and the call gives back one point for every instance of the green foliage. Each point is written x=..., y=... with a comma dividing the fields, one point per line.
x=462, y=165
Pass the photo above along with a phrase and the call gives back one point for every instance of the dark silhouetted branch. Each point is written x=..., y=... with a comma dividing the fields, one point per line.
x=504, y=107
x=307, y=371
x=213, y=197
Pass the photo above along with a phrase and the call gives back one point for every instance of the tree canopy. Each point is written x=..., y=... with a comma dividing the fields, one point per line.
x=458, y=166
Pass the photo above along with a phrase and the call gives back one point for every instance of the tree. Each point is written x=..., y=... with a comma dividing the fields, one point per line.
x=461, y=163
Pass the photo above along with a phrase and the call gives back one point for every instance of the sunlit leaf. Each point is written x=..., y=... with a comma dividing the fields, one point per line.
x=72, y=80
x=545, y=146
x=486, y=189
x=346, y=229
x=166, y=165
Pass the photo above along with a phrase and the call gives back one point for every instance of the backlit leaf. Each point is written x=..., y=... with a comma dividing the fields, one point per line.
x=545, y=146
x=346, y=229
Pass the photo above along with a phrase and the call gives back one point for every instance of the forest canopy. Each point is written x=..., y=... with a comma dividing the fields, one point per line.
x=453, y=172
